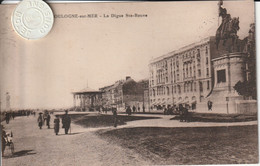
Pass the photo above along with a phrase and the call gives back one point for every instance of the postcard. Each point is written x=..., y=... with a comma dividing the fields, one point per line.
x=128, y=83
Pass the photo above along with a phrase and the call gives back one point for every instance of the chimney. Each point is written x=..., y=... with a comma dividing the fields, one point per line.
x=127, y=78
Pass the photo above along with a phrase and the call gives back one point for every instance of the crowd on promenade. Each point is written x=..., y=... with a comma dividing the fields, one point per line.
x=44, y=118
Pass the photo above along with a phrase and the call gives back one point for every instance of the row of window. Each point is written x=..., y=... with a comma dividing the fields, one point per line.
x=188, y=87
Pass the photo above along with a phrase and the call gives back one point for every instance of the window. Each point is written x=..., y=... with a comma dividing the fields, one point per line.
x=206, y=50
x=184, y=88
x=199, y=72
x=179, y=89
x=221, y=76
x=207, y=85
x=207, y=60
x=201, y=87
x=207, y=71
x=195, y=86
x=191, y=87
x=198, y=53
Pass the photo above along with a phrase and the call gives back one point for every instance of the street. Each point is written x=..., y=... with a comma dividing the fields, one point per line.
x=82, y=147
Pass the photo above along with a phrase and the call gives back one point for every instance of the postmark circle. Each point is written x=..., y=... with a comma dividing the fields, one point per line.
x=32, y=19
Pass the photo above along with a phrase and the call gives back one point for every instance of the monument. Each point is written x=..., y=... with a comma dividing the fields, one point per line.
x=230, y=67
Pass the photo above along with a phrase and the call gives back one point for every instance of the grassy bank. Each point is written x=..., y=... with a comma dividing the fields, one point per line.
x=208, y=117
x=101, y=120
x=211, y=145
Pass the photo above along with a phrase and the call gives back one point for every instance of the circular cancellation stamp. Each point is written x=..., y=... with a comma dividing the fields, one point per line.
x=32, y=19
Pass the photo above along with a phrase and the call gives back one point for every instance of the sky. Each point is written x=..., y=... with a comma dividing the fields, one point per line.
x=96, y=52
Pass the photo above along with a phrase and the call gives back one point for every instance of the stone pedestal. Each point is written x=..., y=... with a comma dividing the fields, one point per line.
x=228, y=70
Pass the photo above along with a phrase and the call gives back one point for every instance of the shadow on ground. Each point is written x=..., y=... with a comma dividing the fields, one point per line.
x=21, y=153
x=70, y=133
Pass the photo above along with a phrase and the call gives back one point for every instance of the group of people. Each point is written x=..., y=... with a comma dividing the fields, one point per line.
x=130, y=110
x=44, y=118
x=66, y=121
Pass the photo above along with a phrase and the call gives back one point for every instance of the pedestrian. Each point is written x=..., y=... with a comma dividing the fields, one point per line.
x=13, y=115
x=128, y=110
x=40, y=120
x=114, y=110
x=66, y=120
x=134, y=109
x=48, y=118
x=186, y=113
x=210, y=105
x=7, y=117
x=181, y=110
x=56, y=124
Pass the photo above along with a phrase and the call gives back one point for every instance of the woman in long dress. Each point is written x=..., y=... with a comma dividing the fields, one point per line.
x=56, y=124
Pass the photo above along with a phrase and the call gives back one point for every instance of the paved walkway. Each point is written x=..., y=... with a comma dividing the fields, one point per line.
x=35, y=147
x=82, y=147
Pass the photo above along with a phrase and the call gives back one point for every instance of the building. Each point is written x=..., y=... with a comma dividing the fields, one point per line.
x=184, y=75
x=198, y=73
x=125, y=93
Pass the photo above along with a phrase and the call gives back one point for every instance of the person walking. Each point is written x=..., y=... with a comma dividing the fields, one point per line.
x=13, y=115
x=128, y=110
x=66, y=120
x=7, y=117
x=114, y=110
x=56, y=124
x=48, y=120
x=134, y=109
x=210, y=105
x=40, y=120
x=181, y=110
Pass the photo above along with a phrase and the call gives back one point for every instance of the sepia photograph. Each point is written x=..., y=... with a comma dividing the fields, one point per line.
x=128, y=83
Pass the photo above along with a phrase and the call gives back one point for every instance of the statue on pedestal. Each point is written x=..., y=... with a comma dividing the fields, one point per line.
x=228, y=27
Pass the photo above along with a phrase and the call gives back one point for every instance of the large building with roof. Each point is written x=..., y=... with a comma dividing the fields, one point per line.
x=184, y=75
x=199, y=73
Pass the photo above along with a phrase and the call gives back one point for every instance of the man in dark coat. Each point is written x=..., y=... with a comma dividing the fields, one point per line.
x=40, y=120
x=114, y=110
x=48, y=120
x=210, y=105
x=66, y=120
x=128, y=110
x=134, y=109
x=181, y=110
x=7, y=117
